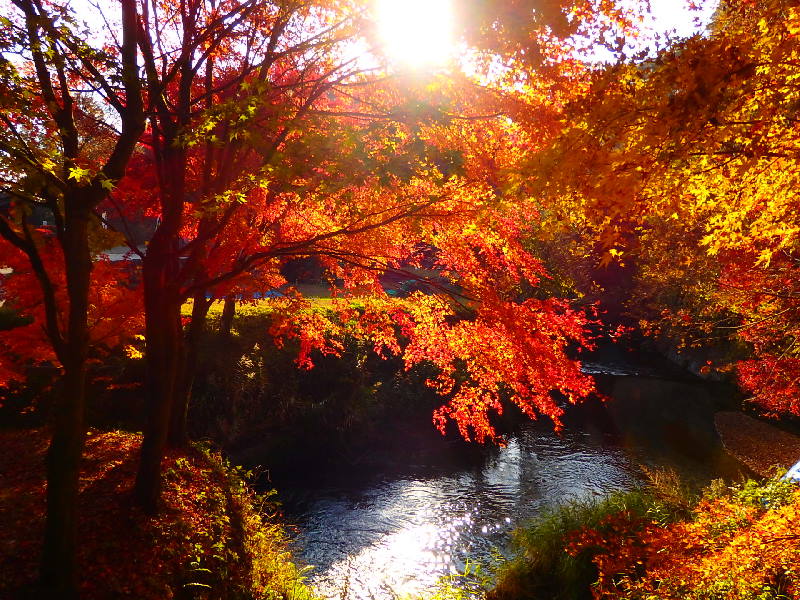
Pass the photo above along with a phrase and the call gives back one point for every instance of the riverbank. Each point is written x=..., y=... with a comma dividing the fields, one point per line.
x=759, y=445
x=737, y=542
x=210, y=539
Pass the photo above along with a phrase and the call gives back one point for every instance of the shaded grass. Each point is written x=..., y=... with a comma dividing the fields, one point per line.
x=251, y=397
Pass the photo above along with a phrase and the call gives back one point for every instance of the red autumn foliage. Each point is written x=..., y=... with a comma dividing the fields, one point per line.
x=736, y=546
x=115, y=314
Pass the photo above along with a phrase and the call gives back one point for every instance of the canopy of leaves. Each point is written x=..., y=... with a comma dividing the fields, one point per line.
x=684, y=169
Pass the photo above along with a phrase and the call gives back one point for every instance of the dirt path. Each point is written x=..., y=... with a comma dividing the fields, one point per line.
x=757, y=444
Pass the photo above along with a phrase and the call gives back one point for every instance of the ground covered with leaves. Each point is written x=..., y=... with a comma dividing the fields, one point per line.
x=756, y=443
x=213, y=538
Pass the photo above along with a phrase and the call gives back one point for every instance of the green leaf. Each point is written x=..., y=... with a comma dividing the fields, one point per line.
x=78, y=174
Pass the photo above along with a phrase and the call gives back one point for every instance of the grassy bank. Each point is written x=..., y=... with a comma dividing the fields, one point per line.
x=739, y=542
x=251, y=397
x=213, y=538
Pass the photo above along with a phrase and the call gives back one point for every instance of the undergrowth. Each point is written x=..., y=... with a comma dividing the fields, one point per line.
x=236, y=547
x=213, y=538
x=262, y=567
x=732, y=542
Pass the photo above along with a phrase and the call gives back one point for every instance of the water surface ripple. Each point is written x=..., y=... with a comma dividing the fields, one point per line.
x=396, y=536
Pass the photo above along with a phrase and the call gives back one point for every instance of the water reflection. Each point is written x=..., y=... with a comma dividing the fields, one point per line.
x=398, y=536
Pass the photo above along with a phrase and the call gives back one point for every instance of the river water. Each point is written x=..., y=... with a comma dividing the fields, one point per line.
x=395, y=535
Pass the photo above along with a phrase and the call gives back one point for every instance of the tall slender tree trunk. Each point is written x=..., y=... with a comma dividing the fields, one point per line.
x=163, y=297
x=178, y=428
x=164, y=359
x=44, y=41
x=59, y=569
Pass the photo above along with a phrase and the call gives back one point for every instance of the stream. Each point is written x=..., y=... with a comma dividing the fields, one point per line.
x=396, y=533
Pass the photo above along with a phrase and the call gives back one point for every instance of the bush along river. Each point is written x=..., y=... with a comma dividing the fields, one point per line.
x=426, y=507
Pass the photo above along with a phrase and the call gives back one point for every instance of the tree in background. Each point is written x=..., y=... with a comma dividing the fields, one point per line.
x=684, y=164
x=57, y=153
x=236, y=151
x=291, y=147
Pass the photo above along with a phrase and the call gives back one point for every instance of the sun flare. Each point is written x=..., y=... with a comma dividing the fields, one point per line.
x=416, y=33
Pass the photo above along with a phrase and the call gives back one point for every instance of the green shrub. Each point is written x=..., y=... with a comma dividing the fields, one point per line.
x=542, y=568
x=250, y=393
x=254, y=561
x=471, y=584
x=772, y=493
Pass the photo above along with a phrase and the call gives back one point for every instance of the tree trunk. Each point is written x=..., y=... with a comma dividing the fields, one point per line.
x=59, y=569
x=163, y=357
x=161, y=276
x=228, y=312
x=178, y=433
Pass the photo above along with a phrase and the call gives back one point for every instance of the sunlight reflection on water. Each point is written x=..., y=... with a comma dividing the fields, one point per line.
x=397, y=537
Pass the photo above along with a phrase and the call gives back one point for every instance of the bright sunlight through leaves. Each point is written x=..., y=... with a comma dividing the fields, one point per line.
x=416, y=33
